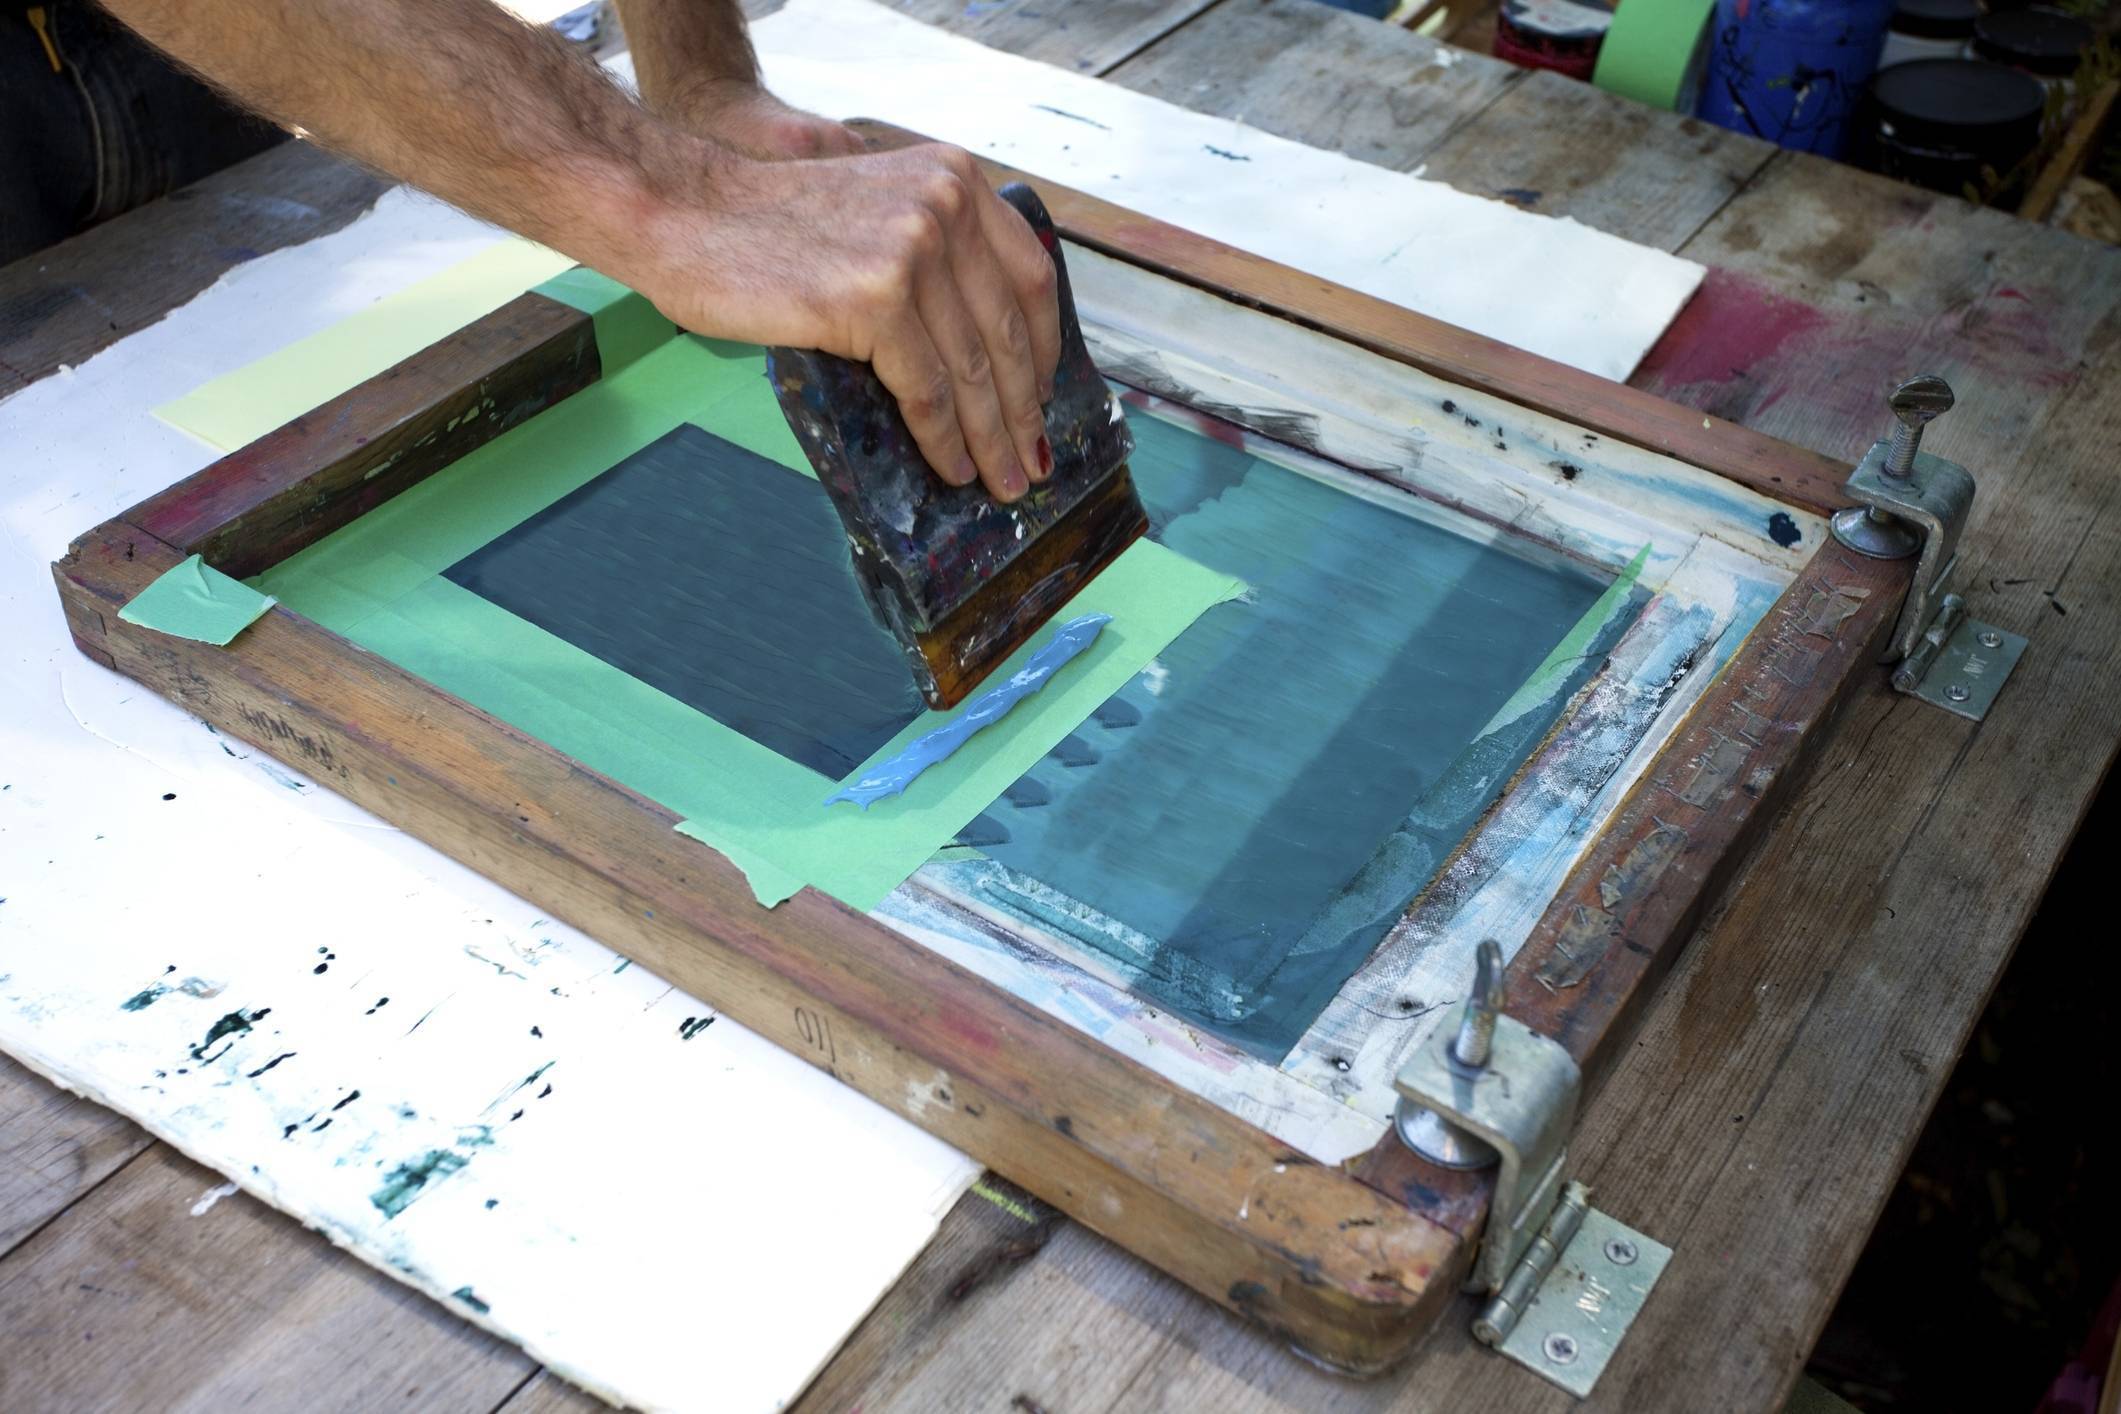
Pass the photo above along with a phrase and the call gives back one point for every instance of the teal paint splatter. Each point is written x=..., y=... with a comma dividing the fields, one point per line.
x=469, y=1298
x=409, y=1180
x=141, y=1001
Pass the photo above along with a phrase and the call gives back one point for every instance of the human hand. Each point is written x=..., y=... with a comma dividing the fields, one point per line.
x=906, y=260
x=745, y=118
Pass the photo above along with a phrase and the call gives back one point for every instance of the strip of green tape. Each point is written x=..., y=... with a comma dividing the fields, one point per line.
x=196, y=601
x=377, y=582
x=1656, y=52
x=1567, y=656
x=627, y=325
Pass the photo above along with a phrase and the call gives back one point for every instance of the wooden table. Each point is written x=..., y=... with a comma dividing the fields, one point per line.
x=1774, y=1087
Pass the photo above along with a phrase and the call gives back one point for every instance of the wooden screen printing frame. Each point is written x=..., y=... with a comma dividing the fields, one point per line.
x=1353, y=1263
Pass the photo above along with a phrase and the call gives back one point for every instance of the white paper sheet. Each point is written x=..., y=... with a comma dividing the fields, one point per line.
x=1549, y=285
x=672, y=1224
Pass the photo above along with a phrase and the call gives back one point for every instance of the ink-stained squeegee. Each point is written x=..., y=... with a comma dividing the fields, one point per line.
x=958, y=578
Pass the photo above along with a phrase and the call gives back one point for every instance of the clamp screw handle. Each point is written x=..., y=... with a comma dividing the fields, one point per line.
x=1476, y=1030
x=1916, y=403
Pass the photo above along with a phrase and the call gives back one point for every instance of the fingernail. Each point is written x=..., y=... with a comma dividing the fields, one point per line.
x=1014, y=483
x=964, y=473
x=1045, y=457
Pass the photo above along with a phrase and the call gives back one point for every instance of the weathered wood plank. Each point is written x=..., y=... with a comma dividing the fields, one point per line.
x=985, y=1239
x=305, y=479
x=56, y=1146
x=547, y=1393
x=1818, y=1018
x=1564, y=148
x=1320, y=76
x=1828, y=285
x=130, y=1301
x=62, y=305
x=1087, y=38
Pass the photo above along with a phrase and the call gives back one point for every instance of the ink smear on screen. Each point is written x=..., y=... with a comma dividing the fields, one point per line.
x=1246, y=820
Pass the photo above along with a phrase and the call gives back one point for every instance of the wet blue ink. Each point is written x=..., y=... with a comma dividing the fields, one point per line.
x=893, y=776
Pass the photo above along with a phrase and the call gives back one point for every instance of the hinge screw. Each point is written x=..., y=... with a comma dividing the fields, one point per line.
x=1958, y=692
x=1991, y=639
x=1620, y=1252
x=1560, y=1348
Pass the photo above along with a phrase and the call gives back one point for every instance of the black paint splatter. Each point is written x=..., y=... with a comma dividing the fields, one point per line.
x=233, y=1024
x=1782, y=530
x=284, y=1055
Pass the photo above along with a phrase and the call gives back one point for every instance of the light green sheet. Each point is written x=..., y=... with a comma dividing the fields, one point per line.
x=196, y=601
x=377, y=581
x=240, y=407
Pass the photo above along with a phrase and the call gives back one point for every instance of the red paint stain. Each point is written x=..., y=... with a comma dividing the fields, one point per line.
x=2008, y=293
x=1730, y=326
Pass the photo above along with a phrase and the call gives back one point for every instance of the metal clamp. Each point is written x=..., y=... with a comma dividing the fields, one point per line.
x=1912, y=503
x=1495, y=1091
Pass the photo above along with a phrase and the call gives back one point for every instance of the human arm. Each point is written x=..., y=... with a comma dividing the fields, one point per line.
x=903, y=259
x=695, y=65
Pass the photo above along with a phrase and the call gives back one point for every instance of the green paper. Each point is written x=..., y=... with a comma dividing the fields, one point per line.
x=237, y=408
x=378, y=582
x=196, y=601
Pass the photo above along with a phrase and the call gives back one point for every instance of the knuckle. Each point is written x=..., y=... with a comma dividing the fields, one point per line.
x=946, y=195
x=1015, y=334
x=973, y=365
x=930, y=400
x=957, y=161
x=1040, y=281
x=916, y=235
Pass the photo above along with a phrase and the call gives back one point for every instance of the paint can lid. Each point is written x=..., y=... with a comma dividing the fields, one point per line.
x=1577, y=20
x=1936, y=19
x=2039, y=40
x=1950, y=99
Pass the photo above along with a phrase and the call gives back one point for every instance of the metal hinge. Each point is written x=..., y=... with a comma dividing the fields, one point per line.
x=1913, y=503
x=1563, y=1280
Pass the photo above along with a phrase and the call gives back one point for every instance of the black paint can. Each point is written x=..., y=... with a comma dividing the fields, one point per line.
x=2039, y=41
x=1562, y=35
x=1939, y=122
x=1929, y=29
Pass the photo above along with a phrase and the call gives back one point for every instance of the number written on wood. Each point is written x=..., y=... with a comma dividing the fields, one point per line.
x=816, y=1033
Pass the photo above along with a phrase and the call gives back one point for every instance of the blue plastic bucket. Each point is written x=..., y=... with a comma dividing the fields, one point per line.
x=1793, y=71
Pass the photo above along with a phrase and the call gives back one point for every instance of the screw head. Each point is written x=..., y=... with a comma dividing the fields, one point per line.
x=1621, y=1252
x=1991, y=639
x=1559, y=1348
x=1920, y=399
x=1958, y=692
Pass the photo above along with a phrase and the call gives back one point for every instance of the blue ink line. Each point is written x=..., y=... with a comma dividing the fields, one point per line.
x=893, y=776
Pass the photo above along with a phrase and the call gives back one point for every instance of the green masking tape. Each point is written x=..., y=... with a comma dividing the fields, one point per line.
x=1657, y=52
